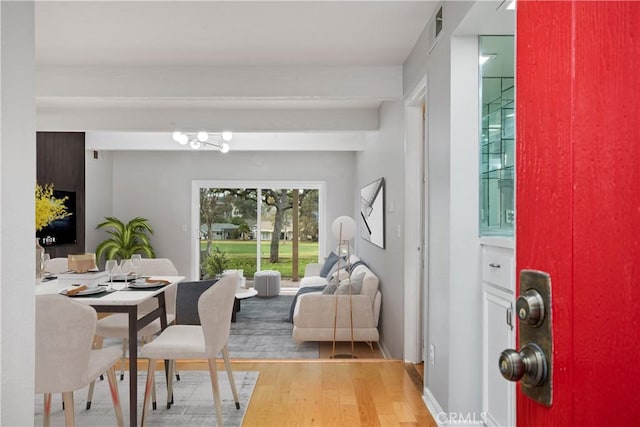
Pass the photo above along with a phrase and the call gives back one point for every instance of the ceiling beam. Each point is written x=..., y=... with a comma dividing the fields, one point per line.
x=293, y=141
x=298, y=83
x=171, y=119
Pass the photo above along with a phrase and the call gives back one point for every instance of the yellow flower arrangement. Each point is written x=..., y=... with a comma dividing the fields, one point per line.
x=48, y=208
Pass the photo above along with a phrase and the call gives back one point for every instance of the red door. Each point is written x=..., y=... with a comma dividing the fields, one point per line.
x=578, y=201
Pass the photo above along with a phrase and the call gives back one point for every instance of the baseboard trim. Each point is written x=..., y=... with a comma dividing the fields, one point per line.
x=444, y=419
x=434, y=408
x=383, y=350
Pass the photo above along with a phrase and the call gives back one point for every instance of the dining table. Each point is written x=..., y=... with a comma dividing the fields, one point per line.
x=122, y=298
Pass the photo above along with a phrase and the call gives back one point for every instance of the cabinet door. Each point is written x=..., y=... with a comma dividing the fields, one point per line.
x=498, y=394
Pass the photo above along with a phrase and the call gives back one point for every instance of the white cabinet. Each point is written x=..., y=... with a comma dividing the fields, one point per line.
x=498, y=333
x=497, y=267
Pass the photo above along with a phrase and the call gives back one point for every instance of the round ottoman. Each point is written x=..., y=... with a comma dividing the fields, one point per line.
x=267, y=283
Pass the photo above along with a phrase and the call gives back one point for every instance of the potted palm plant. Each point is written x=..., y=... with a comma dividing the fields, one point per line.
x=216, y=263
x=126, y=239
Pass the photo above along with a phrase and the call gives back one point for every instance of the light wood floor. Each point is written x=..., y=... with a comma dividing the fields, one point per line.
x=361, y=392
x=360, y=350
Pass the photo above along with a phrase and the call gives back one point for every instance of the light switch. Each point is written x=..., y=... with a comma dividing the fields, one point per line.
x=392, y=206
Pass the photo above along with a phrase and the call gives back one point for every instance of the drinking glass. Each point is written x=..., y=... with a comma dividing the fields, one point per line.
x=110, y=267
x=136, y=264
x=117, y=271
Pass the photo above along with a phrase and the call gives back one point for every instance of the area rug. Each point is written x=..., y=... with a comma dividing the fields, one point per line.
x=193, y=402
x=262, y=331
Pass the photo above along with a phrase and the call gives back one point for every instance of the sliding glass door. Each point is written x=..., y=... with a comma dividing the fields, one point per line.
x=227, y=222
x=257, y=226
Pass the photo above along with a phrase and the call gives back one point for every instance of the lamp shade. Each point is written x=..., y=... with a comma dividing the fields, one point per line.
x=344, y=228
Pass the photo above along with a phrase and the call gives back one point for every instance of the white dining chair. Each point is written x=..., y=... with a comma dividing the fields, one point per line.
x=204, y=341
x=56, y=265
x=117, y=325
x=65, y=360
x=157, y=267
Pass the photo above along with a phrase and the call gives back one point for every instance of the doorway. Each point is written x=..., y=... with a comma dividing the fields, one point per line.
x=415, y=249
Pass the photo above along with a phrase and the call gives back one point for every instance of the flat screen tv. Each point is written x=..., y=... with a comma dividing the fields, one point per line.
x=61, y=231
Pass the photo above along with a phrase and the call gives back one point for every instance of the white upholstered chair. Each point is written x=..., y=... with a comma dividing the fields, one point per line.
x=157, y=267
x=56, y=265
x=65, y=360
x=117, y=325
x=197, y=342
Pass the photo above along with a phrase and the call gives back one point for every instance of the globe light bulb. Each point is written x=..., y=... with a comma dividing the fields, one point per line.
x=176, y=136
x=183, y=139
x=224, y=148
x=227, y=135
x=195, y=144
x=344, y=228
x=203, y=136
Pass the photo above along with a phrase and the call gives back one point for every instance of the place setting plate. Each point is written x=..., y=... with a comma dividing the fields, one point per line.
x=145, y=283
x=89, y=291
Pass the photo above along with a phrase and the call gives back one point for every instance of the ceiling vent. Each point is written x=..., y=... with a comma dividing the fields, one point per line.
x=435, y=26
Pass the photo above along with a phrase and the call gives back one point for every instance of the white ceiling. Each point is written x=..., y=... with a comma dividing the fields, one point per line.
x=154, y=66
x=144, y=33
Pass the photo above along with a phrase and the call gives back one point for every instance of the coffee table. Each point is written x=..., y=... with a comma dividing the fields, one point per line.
x=240, y=295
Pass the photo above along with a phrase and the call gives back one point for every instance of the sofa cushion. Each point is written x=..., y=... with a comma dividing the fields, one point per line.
x=369, y=283
x=338, y=276
x=302, y=291
x=328, y=264
x=330, y=289
x=355, y=264
x=352, y=286
x=312, y=281
x=340, y=265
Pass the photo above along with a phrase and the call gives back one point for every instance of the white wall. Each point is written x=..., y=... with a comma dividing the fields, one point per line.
x=384, y=158
x=17, y=239
x=438, y=215
x=465, y=290
x=98, y=195
x=452, y=383
x=157, y=185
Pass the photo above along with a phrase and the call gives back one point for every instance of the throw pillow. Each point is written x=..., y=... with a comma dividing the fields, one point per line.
x=353, y=286
x=338, y=276
x=328, y=264
x=339, y=265
x=330, y=289
x=334, y=280
x=355, y=264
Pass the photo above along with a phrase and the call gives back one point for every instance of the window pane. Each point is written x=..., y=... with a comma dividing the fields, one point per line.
x=233, y=221
x=227, y=230
x=497, y=135
x=277, y=231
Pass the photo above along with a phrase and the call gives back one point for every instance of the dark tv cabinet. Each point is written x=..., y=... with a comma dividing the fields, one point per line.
x=60, y=160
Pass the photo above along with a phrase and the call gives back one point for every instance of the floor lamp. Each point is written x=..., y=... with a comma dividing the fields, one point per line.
x=344, y=229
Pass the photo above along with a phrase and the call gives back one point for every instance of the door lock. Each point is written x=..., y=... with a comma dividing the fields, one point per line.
x=533, y=364
x=530, y=307
x=529, y=365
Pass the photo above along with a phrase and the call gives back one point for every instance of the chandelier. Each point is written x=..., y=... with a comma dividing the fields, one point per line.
x=197, y=140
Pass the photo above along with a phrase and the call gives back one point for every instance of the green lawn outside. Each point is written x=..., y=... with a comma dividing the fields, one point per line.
x=247, y=248
x=242, y=254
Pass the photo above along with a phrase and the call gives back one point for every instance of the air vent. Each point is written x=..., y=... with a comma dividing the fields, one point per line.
x=435, y=26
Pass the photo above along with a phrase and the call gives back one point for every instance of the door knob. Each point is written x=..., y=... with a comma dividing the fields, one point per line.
x=533, y=363
x=528, y=365
x=530, y=307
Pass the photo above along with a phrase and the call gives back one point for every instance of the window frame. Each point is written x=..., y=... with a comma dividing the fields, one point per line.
x=197, y=185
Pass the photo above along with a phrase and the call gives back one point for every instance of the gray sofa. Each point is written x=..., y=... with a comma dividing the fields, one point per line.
x=314, y=313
